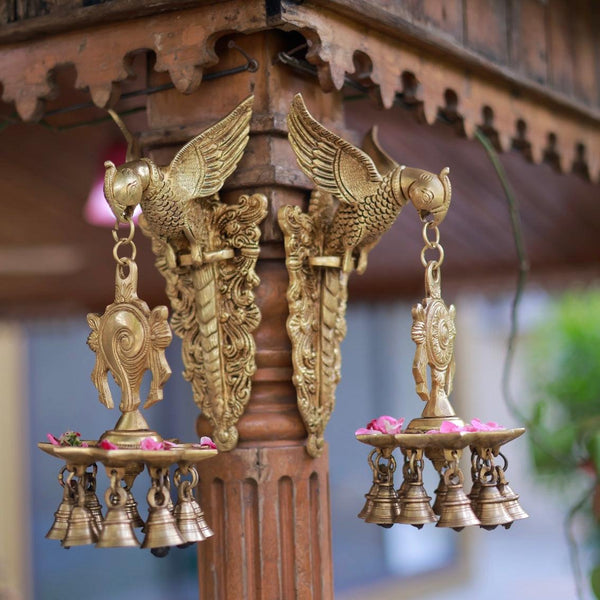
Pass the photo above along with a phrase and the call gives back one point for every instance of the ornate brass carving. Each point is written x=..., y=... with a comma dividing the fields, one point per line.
x=207, y=252
x=214, y=311
x=317, y=304
x=353, y=206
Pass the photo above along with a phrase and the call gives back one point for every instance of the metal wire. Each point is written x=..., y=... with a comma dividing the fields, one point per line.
x=510, y=353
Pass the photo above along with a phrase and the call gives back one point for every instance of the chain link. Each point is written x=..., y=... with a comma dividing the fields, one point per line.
x=432, y=244
x=123, y=242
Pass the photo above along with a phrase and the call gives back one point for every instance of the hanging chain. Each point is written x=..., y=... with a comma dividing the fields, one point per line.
x=124, y=242
x=432, y=244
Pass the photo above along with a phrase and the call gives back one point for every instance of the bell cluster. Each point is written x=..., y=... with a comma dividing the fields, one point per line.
x=490, y=502
x=79, y=519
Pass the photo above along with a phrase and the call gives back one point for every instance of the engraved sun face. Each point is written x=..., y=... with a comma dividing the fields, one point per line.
x=441, y=332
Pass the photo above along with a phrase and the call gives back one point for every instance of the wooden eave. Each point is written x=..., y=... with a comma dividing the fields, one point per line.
x=529, y=71
x=435, y=83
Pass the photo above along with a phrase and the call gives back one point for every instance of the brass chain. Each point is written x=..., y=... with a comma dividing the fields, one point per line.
x=432, y=244
x=123, y=242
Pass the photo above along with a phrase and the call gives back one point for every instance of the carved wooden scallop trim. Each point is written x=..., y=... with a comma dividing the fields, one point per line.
x=183, y=42
x=335, y=39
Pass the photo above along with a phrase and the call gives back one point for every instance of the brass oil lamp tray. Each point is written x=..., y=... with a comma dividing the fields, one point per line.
x=440, y=441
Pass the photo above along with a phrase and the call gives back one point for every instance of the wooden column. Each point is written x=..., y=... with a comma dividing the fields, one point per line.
x=267, y=501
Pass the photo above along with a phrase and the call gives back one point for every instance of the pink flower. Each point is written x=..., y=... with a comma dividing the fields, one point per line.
x=489, y=426
x=383, y=424
x=364, y=431
x=106, y=445
x=52, y=439
x=475, y=425
x=167, y=445
x=449, y=427
x=150, y=444
x=206, y=442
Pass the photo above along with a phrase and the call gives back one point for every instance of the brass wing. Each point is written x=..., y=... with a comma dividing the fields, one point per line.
x=336, y=166
x=201, y=167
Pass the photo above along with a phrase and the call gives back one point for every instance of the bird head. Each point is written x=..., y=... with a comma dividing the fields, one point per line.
x=429, y=193
x=124, y=186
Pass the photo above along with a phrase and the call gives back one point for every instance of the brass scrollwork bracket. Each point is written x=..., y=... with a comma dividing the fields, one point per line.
x=207, y=251
x=358, y=198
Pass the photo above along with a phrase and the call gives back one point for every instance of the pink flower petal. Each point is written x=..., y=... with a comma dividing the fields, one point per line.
x=150, y=444
x=386, y=424
x=167, y=445
x=206, y=442
x=489, y=426
x=52, y=439
x=106, y=445
x=85, y=445
x=449, y=427
x=365, y=431
x=468, y=428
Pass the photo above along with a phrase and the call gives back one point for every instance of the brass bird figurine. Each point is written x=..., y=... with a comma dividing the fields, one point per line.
x=167, y=194
x=369, y=202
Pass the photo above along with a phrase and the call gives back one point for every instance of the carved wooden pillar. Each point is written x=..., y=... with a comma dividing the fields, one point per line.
x=267, y=500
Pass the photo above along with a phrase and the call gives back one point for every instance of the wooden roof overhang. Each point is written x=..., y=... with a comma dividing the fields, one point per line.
x=526, y=73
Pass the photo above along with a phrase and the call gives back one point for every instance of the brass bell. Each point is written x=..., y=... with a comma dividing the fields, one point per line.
x=204, y=527
x=118, y=527
x=402, y=489
x=161, y=529
x=511, y=503
x=490, y=508
x=456, y=509
x=473, y=495
x=440, y=496
x=366, y=509
x=187, y=523
x=385, y=506
x=92, y=503
x=414, y=507
x=59, y=527
x=81, y=530
x=132, y=511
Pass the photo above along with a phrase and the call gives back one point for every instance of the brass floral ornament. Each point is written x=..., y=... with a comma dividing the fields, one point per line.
x=214, y=311
x=207, y=251
x=358, y=198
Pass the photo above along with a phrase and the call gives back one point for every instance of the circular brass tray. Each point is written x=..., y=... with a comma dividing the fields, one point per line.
x=449, y=441
x=77, y=455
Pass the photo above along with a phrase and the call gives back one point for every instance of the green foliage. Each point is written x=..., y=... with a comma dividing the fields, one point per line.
x=566, y=376
x=595, y=579
x=566, y=413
